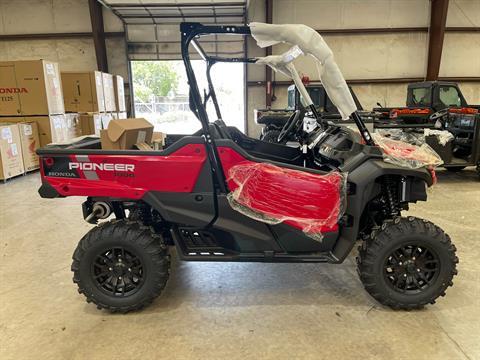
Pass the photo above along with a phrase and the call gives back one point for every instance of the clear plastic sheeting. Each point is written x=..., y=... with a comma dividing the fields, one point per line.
x=310, y=202
x=311, y=43
x=443, y=136
x=283, y=64
x=417, y=137
x=406, y=154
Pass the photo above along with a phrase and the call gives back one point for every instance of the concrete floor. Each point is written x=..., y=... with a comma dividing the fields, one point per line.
x=218, y=311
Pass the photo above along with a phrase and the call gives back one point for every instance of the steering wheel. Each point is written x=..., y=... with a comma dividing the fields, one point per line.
x=293, y=121
x=439, y=114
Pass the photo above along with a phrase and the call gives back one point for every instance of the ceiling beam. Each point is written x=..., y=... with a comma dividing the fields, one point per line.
x=98, y=32
x=48, y=36
x=438, y=21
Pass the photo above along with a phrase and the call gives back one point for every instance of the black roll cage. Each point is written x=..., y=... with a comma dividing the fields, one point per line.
x=190, y=32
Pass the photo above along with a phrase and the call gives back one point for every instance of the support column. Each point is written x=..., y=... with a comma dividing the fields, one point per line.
x=96, y=17
x=438, y=20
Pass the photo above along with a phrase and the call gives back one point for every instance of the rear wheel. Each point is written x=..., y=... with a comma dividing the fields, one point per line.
x=121, y=266
x=407, y=264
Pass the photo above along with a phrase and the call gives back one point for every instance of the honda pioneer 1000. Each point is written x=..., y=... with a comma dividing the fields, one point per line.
x=219, y=195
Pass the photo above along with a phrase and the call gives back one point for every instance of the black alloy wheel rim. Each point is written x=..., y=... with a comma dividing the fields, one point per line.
x=411, y=269
x=118, y=272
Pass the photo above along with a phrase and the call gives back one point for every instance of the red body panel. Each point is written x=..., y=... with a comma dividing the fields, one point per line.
x=306, y=201
x=177, y=172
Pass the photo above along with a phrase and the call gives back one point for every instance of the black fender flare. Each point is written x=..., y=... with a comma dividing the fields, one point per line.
x=363, y=187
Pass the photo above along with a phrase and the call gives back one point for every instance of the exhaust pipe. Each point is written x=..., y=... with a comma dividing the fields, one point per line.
x=100, y=210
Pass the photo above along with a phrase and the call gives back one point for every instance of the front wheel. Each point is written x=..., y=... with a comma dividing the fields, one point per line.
x=121, y=266
x=407, y=264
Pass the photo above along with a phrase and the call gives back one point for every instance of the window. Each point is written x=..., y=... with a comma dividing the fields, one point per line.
x=422, y=96
x=317, y=95
x=449, y=96
x=291, y=98
x=161, y=94
x=330, y=108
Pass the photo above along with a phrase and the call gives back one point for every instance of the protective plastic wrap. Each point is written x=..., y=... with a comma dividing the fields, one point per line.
x=416, y=136
x=405, y=154
x=443, y=136
x=310, y=202
x=311, y=43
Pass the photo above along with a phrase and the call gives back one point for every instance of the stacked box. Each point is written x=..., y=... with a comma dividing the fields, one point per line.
x=30, y=88
x=90, y=123
x=108, y=92
x=119, y=89
x=11, y=161
x=30, y=141
x=92, y=94
x=51, y=128
x=83, y=91
x=31, y=92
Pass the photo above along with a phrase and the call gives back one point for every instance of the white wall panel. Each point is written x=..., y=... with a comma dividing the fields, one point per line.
x=73, y=54
x=337, y=14
x=461, y=55
x=371, y=56
x=58, y=16
x=44, y=16
x=463, y=13
x=471, y=91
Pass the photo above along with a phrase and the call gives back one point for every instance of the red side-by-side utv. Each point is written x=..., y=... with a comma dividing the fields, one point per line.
x=219, y=195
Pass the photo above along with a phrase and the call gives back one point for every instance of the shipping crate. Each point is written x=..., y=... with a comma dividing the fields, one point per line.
x=83, y=91
x=31, y=87
x=11, y=161
x=119, y=89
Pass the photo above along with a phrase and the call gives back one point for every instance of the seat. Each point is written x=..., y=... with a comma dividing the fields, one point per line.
x=254, y=147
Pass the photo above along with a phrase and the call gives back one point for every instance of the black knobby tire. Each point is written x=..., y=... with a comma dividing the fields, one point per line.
x=271, y=136
x=143, y=251
x=399, y=286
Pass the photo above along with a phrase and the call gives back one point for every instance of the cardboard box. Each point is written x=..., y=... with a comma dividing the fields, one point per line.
x=123, y=134
x=30, y=87
x=106, y=118
x=119, y=91
x=30, y=141
x=73, y=128
x=158, y=140
x=108, y=92
x=83, y=91
x=11, y=163
x=119, y=115
x=51, y=128
x=91, y=123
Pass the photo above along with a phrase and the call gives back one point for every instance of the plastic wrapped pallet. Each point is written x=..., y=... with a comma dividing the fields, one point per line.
x=310, y=202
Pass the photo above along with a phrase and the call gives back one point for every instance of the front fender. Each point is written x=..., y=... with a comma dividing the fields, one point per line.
x=364, y=187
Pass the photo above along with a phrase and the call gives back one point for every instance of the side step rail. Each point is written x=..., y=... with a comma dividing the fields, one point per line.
x=200, y=245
